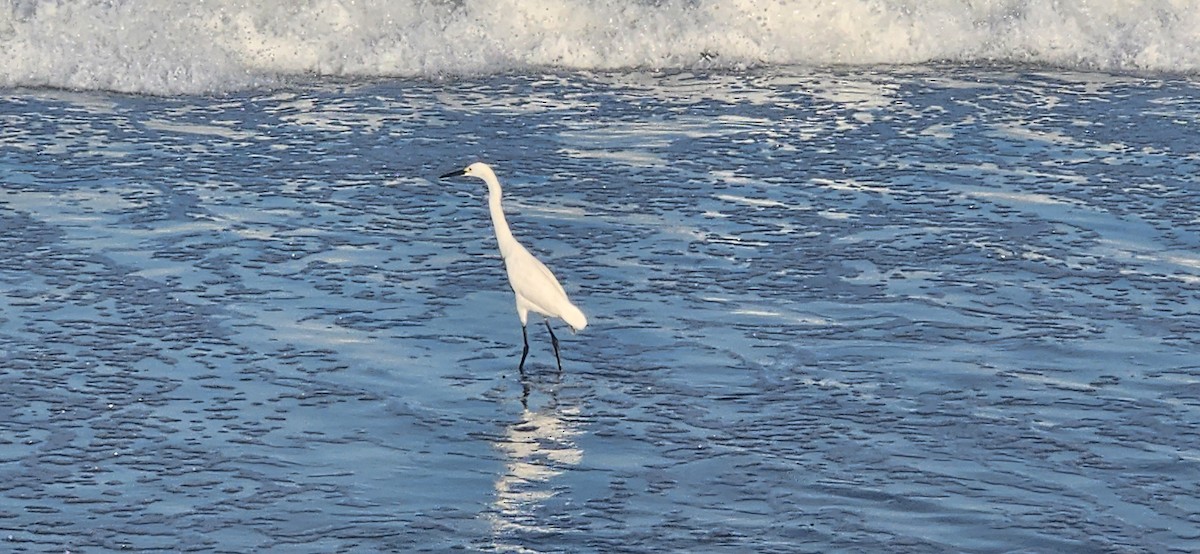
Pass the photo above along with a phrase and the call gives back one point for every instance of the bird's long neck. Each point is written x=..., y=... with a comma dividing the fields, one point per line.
x=504, y=236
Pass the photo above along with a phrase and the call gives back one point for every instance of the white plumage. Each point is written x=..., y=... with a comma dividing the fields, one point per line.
x=535, y=287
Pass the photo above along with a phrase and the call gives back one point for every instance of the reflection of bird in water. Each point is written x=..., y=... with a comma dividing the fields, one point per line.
x=537, y=448
x=535, y=286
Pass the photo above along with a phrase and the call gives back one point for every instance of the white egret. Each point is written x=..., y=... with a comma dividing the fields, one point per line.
x=534, y=286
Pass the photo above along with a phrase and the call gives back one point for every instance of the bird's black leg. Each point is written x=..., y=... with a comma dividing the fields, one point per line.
x=524, y=351
x=554, y=341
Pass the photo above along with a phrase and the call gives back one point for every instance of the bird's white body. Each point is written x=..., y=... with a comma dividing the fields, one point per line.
x=537, y=290
x=535, y=287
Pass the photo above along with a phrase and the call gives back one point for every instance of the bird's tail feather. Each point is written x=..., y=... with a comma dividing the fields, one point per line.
x=575, y=318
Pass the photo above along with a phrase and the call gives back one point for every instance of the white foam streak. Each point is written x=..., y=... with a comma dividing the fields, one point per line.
x=174, y=46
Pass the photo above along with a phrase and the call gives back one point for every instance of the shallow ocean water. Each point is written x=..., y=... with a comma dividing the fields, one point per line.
x=894, y=308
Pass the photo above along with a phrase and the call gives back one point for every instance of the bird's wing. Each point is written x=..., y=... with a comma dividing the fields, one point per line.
x=531, y=279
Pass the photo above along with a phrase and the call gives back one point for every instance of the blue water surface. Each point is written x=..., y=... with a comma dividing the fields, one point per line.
x=893, y=309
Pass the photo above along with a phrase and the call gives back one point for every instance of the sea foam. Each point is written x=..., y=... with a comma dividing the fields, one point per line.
x=176, y=46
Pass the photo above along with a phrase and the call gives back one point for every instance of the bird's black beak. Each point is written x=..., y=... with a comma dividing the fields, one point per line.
x=453, y=174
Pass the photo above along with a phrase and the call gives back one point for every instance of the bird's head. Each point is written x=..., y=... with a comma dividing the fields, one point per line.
x=477, y=169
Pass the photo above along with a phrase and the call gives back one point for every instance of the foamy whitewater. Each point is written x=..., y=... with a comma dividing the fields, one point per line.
x=860, y=276
x=169, y=47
